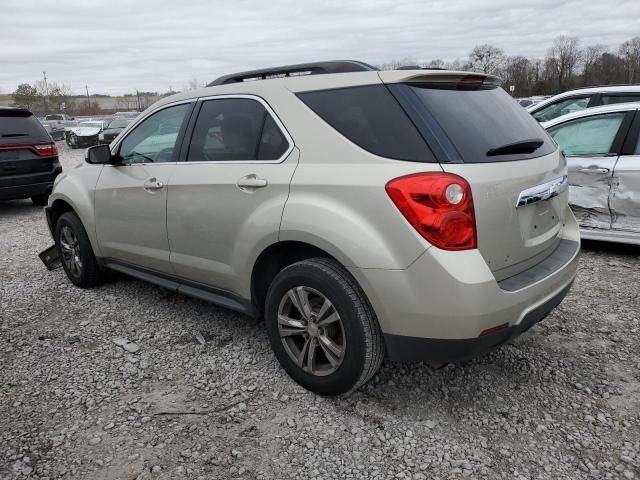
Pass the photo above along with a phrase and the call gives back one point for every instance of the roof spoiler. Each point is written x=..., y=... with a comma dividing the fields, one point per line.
x=440, y=77
x=316, y=68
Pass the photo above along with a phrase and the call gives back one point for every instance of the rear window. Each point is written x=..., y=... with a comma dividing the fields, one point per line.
x=371, y=118
x=471, y=123
x=15, y=127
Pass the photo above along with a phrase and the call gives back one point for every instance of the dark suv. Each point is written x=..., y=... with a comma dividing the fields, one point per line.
x=28, y=157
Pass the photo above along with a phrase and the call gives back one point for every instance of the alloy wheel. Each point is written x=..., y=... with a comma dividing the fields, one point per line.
x=70, y=251
x=311, y=331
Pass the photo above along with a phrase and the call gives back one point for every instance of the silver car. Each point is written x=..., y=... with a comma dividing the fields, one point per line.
x=420, y=213
x=583, y=98
x=602, y=147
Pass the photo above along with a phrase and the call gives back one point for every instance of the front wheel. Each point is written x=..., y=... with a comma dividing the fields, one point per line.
x=75, y=252
x=321, y=327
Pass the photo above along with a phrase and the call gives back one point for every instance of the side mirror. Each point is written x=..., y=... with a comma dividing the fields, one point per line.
x=99, y=155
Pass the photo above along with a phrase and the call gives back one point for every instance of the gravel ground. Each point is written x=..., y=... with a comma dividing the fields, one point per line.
x=131, y=381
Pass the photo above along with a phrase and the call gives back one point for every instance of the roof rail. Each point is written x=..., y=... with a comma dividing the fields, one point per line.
x=316, y=68
x=604, y=86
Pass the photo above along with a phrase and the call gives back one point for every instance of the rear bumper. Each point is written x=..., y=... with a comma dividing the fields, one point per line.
x=438, y=308
x=24, y=186
x=415, y=349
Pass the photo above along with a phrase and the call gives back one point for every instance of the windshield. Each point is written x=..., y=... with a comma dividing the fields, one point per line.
x=467, y=124
x=91, y=124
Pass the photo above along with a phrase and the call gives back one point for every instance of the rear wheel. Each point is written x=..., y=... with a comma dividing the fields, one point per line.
x=76, y=254
x=322, y=328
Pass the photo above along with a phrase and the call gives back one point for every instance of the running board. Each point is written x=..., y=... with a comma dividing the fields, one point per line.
x=200, y=291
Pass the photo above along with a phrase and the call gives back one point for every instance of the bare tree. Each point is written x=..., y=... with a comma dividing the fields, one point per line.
x=630, y=52
x=487, y=59
x=437, y=63
x=562, y=59
x=194, y=84
x=520, y=72
x=393, y=64
x=590, y=56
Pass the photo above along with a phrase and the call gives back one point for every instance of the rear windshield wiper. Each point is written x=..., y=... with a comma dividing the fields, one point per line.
x=523, y=146
x=8, y=135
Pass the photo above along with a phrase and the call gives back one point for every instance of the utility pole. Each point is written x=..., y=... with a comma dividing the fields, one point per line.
x=45, y=93
x=88, y=100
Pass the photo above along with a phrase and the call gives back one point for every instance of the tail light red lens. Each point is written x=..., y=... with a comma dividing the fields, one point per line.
x=439, y=206
x=46, y=149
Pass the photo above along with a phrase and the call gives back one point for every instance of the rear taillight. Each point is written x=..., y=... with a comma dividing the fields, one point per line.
x=439, y=206
x=46, y=149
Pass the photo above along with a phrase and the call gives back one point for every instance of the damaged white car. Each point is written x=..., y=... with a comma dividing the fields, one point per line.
x=85, y=134
x=602, y=147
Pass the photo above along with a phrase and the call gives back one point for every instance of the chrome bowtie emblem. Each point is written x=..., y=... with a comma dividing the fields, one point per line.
x=543, y=192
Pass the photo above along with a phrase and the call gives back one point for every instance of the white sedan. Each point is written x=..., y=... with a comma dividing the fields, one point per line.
x=602, y=147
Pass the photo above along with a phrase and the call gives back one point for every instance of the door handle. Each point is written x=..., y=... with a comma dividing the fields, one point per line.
x=251, y=182
x=594, y=170
x=153, y=184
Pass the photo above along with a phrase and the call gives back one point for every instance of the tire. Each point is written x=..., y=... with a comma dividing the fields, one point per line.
x=40, y=200
x=70, y=233
x=356, y=333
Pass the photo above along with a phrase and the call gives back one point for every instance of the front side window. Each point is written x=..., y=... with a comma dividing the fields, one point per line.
x=236, y=129
x=588, y=136
x=154, y=140
x=561, y=107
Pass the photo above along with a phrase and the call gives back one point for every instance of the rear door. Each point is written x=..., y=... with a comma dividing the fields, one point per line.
x=131, y=198
x=625, y=195
x=591, y=145
x=226, y=199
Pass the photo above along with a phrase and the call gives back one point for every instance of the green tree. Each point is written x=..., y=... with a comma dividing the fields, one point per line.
x=25, y=96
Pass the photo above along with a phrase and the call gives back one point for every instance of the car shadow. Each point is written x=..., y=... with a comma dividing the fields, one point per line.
x=597, y=246
x=14, y=208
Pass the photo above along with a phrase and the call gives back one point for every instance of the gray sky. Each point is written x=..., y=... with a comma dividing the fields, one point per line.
x=116, y=46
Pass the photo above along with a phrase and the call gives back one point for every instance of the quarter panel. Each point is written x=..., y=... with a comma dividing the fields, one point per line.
x=346, y=211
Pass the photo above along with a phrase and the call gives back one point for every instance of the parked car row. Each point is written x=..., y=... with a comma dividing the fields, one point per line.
x=83, y=133
x=94, y=132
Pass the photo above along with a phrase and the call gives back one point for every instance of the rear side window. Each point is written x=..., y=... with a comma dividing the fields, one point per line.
x=18, y=126
x=473, y=124
x=371, y=118
x=588, y=136
x=561, y=107
x=236, y=129
x=611, y=99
